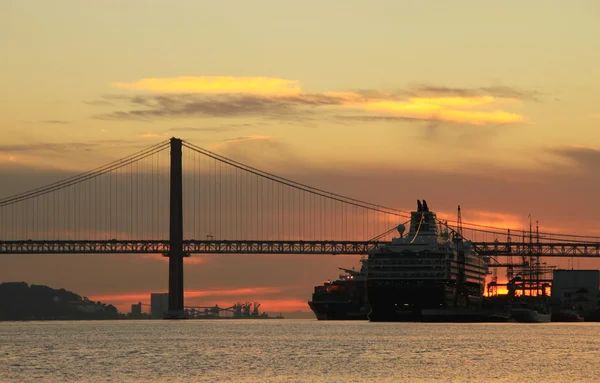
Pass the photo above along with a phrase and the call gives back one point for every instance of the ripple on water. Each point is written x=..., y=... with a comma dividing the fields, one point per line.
x=297, y=351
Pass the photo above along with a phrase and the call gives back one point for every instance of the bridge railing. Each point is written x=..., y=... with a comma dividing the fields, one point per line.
x=492, y=249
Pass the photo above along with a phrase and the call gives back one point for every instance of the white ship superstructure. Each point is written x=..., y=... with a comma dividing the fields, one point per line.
x=429, y=268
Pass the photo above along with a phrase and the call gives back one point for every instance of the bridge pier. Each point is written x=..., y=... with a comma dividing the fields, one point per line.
x=176, y=253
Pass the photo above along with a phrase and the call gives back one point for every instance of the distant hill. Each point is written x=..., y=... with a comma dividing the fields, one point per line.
x=19, y=301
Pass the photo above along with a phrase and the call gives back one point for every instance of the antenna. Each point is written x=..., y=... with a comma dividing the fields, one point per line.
x=538, y=270
x=459, y=221
x=509, y=269
x=531, y=263
x=460, y=259
x=530, y=233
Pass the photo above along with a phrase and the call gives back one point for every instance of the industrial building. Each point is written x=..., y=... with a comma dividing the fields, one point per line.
x=136, y=310
x=577, y=288
x=159, y=305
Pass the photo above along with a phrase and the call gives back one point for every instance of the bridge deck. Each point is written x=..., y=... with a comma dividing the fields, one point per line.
x=496, y=249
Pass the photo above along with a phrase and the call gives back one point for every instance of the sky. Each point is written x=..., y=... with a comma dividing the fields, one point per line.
x=491, y=105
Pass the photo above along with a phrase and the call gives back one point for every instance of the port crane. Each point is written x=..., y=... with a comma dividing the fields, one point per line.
x=237, y=310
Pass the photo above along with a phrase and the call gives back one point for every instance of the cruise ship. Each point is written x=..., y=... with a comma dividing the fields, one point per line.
x=430, y=273
x=342, y=299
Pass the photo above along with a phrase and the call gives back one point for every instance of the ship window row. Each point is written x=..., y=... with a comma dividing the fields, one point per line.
x=390, y=256
x=477, y=270
x=409, y=274
x=470, y=275
x=412, y=261
x=470, y=266
x=430, y=265
x=410, y=265
x=408, y=269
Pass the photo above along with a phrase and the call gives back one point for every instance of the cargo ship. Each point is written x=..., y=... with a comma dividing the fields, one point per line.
x=429, y=274
x=342, y=299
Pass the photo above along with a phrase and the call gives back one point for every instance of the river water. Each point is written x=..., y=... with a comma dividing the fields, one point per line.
x=297, y=351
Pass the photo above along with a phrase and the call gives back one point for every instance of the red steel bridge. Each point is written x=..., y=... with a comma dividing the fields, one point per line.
x=178, y=199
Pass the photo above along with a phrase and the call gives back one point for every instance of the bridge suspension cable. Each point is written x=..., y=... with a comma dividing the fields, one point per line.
x=474, y=227
x=224, y=199
x=297, y=185
x=236, y=201
x=86, y=176
x=119, y=200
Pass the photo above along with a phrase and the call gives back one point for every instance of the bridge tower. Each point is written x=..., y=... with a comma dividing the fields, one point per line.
x=176, y=253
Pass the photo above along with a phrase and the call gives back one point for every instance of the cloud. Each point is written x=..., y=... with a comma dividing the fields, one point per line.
x=48, y=147
x=266, y=152
x=584, y=157
x=50, y=122
x=450, y=109
x=249, y=138
x=154, y=135
x=280, y=99
x=99, y=103
x=70, y=155
x=245, y=147
x=59, y=122
x=196, y=106
x=226, y=128
x=10, y=158
x=486, y=218
x=64, y=147
x=495, y=91
x=215, y=85
x=346, y=118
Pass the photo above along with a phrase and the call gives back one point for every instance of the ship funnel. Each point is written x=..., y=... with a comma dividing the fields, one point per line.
x=401, y=229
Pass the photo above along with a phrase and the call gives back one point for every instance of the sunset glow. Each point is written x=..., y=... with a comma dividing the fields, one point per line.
x=223, y=298
x=490, y=107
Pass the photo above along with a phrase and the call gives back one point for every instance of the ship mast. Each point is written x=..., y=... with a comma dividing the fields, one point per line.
x=459, y=220
x=460, y=258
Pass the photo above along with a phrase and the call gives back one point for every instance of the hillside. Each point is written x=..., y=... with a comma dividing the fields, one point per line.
x=20, y=301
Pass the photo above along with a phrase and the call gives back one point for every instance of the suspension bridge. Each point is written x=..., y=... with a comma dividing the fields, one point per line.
x=178, y=199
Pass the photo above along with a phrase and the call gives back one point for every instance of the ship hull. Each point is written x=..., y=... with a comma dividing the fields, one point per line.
x=343, y=299
x=566, y=316
x=420, y=302
x=393, y=302
x=338, y=310
x=529, y=316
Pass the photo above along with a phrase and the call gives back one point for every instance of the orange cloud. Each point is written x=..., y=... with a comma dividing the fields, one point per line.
x=153, y=135
x=215, y=85
x=274, y=93
x=235, y=140
x=496, y=219
x=446, y=109
x=485, y=218
x=458, y=102
x=21, y=159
